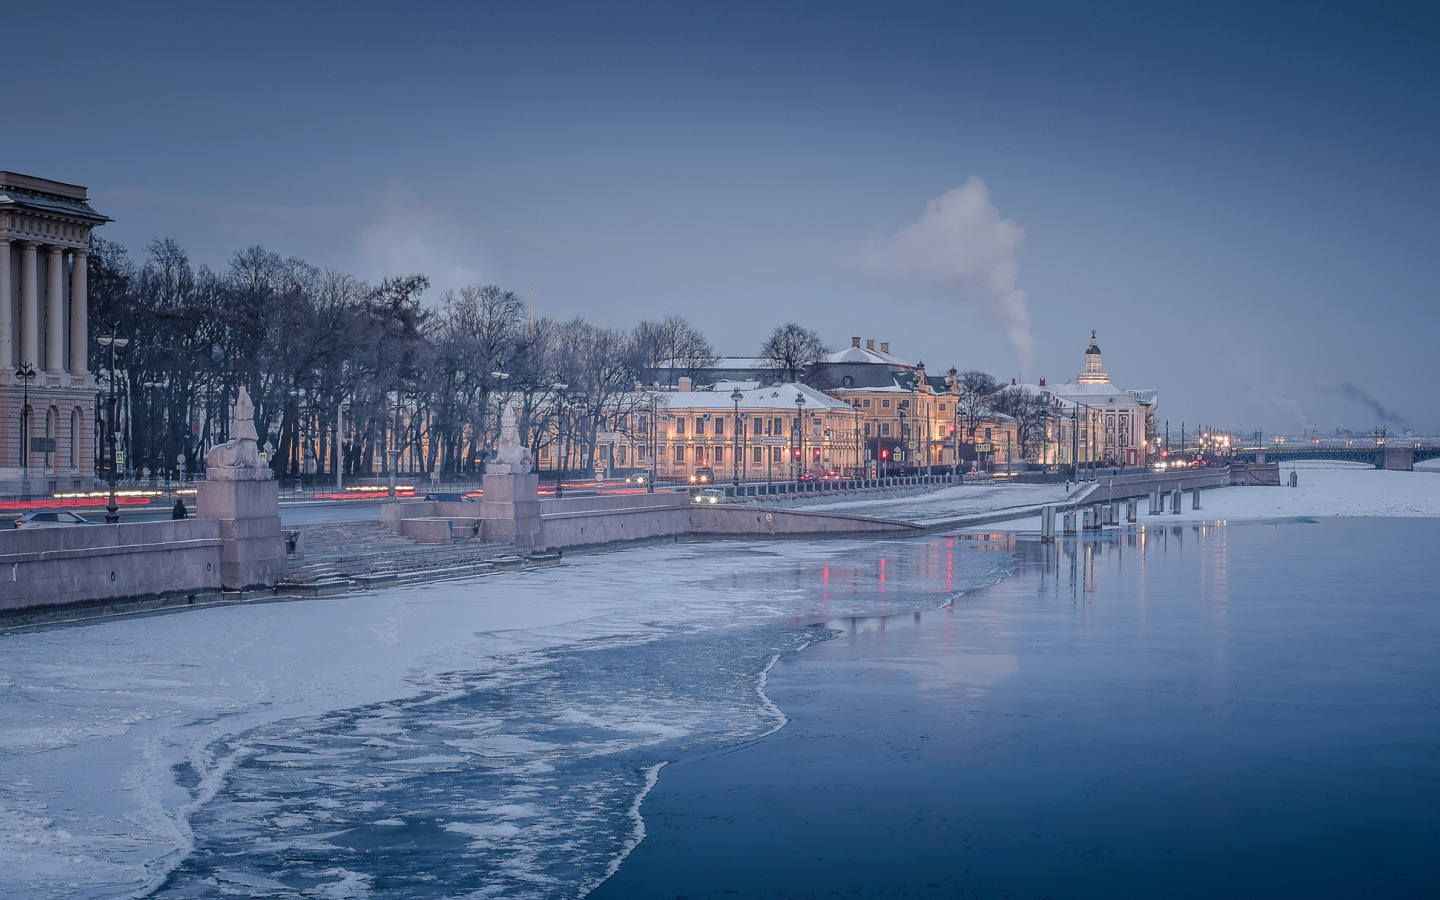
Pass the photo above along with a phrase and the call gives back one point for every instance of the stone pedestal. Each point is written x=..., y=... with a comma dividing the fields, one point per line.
x=511, y=510
x=252, y=552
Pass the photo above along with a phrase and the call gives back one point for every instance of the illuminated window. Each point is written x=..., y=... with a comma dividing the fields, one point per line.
x=679, y=454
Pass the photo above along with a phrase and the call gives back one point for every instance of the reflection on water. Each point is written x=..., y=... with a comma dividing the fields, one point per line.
x=1195, y=710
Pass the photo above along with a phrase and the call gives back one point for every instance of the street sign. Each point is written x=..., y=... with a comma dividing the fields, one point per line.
x=119, y=459
x=982, y=448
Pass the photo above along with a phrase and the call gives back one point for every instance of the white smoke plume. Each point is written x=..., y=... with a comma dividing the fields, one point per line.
x=960, y=248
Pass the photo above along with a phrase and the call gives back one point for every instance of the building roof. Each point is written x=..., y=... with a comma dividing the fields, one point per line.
x=42, y=195
x=1070, y=392
x=772, y=397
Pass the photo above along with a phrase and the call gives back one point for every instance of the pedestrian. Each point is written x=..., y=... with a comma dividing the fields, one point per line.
x=179, y=511
x=1067, y=486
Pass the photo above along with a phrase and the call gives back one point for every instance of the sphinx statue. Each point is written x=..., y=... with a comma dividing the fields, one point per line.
x=511, y=457
x=238, y=459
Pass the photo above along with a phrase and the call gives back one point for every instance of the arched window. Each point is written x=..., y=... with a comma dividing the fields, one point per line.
x=75, y=437
x=52, y=427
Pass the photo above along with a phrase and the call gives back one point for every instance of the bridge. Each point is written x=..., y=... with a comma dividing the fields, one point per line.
x=1401, y=459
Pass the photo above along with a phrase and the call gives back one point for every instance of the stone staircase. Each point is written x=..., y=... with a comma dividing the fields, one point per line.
x=345, y=556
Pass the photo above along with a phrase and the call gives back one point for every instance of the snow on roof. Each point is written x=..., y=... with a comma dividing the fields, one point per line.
x=776, y=396
x=866, y=355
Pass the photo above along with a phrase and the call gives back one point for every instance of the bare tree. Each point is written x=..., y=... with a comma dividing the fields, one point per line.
x=974, y=389
x=791, y=349
x=1030, y=412
x=670, y=348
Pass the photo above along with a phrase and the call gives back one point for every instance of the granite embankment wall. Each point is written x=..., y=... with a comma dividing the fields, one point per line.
x=588, y=520
x=753, y=521
x=107, y=568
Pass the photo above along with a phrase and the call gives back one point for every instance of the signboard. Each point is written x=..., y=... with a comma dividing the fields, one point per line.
x=911, y=445
x=42, y=445
x=119, y=459
x=982, y=448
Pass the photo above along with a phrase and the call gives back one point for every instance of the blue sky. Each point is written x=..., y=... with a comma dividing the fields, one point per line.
x=1240, y=200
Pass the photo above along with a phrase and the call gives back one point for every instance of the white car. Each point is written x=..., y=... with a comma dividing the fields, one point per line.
x=710, y=496
x=51, y=518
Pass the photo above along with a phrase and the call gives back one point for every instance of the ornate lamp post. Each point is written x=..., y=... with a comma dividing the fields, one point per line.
x=394, y=450
x=904, y=444
x=736, y=397
x=114, y=342
x=26, y=374
x=800, y=434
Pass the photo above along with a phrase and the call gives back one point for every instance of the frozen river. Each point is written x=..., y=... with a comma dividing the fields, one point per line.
x=1221, y=696
x=485, y=737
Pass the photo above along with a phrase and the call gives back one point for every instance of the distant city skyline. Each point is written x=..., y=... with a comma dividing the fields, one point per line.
x=1239, y=200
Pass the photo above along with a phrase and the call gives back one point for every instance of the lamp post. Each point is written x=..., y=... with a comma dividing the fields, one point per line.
x=561, y=460
x=904, y=444
x=735, y=397
x=800, y=434
x=114, y=342
x=1075, y=439
x=26, y=374
x=394, y=450
x=154, y=457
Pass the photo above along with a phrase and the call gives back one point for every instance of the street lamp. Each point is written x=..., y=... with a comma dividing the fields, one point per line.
x=903, y=443
x=154, y=458
x=800, y=434
x=736, y=397
x=394, y=450
x=560, y=388
x=114, y=342
x=26, y=374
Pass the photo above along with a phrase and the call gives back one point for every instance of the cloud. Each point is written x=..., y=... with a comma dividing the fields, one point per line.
x=960, y=248
x=1359, y=395
x=404, y=235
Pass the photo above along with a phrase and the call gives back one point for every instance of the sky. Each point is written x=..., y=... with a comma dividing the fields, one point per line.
x=1240, y=199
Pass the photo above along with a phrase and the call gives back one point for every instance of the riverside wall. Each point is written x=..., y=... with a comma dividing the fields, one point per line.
x=59, y=573
x=755, y=521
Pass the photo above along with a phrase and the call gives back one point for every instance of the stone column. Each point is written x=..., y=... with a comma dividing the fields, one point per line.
x=7, y=325
x=55, y=313
x=29, y=305
x=79, y=326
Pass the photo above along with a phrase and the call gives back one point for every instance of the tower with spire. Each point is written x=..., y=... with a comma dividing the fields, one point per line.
x=1093, y=373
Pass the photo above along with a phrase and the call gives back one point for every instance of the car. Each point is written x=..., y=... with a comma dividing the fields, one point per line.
x=703, y=475
x=446, y=498
x=833, y=475
x=636, y=478
x=807, y=476
x=51, y=518
x=710, y=496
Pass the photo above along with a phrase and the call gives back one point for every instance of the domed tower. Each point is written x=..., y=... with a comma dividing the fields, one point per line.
x=1093, y=373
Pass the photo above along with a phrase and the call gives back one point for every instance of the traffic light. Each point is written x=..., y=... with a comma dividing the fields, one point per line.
x=815, y=454
x=797, y=453
x=884, y=453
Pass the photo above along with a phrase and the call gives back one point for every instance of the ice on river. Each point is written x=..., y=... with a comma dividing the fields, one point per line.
x=491, y=734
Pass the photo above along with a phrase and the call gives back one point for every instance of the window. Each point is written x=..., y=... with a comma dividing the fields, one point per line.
x=679, y=426
x=719, y=456
x=779, y=428
x=75, y=439
x=545, y=451
x=885, y=403
x=775, y=454
x=757, y=426
x=847, y=381
x=942, y=407
x=884, y=429
x=719, y=426
x=699, y=425
x=987, y=434
x=867, y=429
x=759, y=455
x=865, y=403
x=679, y=454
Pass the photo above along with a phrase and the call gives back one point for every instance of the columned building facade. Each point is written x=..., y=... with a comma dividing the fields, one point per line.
x=47, y=393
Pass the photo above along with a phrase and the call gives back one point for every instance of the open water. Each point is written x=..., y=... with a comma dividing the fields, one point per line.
x=1244, y=710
